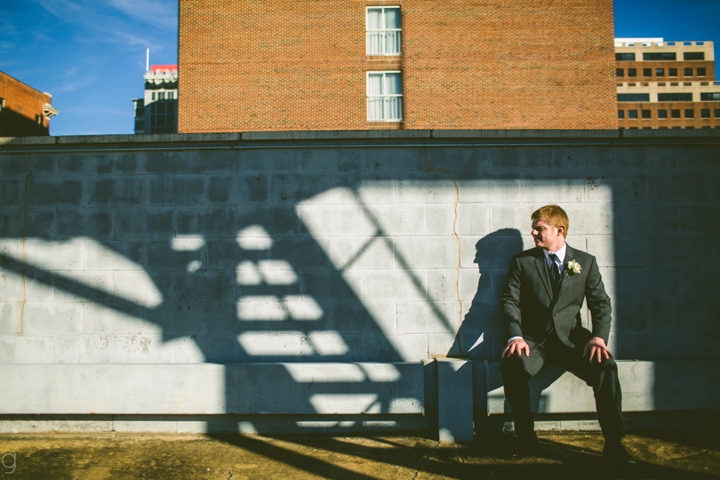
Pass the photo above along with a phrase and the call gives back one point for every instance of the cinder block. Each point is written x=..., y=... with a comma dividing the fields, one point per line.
x=143, y=348
x=566, y=157
x=293, y=188
x=442, y=284
x=365, y=253
x=492, y=188
x=439, y=219
x=394, y=160
x=116, y=191
x=22, y=349
x=429, y=188
x=543, y=189
x=472, y=219
x=646, y=157
x=94, y=223
x=335, y=220
x=535, y=158
x=427, y=317
x=9, y=318
x=95, y=349
x=426, y=252
x=105, y=320
x=94, y=163
x=390, y=220
x=252, y=161
x=55, y=192
x=223, y=190
x=455, y=401
x=210, y=222
x=394, y=285
x=52, y=318
x=12, y=192
x=373, y=189
x=177, y=191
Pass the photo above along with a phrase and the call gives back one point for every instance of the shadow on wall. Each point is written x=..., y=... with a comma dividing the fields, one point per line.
x=481, y=335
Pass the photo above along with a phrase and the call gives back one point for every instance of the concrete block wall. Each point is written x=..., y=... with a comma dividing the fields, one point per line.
x=341, y=246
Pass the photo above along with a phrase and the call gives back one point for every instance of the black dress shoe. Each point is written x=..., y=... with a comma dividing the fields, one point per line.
x=526, y=447
x=615, y=454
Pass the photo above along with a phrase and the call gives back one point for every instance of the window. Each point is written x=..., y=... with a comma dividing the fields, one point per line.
x=662, y=113
x=633, y=97
x=632, y=72
x=705, y=113
x=2, y=104
x=672, y=72
x=383, y=31
x=625, y=57
x=701, y=72
x=694, y=56
x=675, y=97
x=621, y=114
x=19, y=109
x=689, y=113
x=647, y=72
x=384, y=96
x=170, y=95
x=675, y=113
x=660, y=72
x=632, y=114
x=688, y=72
x=710, y=96
x=38, y=119
x=659, y=56
x=717, y=113
x=619, y=72
x=161, y=95
x=152, y=95
x=646, y=114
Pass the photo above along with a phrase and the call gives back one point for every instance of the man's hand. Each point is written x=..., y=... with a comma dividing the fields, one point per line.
x=516, y=347
x=597, y=349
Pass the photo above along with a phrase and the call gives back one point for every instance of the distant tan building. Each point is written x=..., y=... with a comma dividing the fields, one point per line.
x=395, y=64
x=666, y=84
x=24, y=111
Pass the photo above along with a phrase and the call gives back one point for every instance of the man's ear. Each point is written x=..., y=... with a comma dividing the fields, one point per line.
x=561, y=230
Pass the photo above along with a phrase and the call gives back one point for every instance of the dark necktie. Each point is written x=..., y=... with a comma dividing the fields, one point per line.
x=554, y=271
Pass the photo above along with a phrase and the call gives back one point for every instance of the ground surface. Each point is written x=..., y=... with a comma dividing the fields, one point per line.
x=671, y=454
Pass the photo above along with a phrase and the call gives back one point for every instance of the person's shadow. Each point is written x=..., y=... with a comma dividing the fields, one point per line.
x=480, y=335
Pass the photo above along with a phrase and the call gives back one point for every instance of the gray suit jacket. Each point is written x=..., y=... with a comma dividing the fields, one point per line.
x=528, y=307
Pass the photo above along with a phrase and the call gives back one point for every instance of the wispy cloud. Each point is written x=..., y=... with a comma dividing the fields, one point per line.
x=123, y=22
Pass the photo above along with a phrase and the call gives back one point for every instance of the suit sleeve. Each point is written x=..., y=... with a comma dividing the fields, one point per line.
x=510, y=301
x=598, y=302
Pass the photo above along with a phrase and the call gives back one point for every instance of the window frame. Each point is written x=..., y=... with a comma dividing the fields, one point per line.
x=384, y=96
x=384, y=31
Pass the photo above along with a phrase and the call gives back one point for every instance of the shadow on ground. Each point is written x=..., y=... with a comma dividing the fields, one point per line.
x=662, y=455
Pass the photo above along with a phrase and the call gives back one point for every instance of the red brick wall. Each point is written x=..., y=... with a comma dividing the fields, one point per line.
x=290, y=65
x=22, y=104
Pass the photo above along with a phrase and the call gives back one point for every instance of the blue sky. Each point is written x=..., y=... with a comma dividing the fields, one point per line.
x=90, y=54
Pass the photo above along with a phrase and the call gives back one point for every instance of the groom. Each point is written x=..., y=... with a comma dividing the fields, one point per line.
x=541, y=303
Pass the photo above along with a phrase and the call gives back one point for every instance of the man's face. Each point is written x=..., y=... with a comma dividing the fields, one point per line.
x=546, y=236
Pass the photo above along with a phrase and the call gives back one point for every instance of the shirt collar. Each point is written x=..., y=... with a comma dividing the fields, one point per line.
x=560, y=254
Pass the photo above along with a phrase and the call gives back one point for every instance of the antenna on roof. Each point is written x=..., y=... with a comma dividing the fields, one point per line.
x=147, y=60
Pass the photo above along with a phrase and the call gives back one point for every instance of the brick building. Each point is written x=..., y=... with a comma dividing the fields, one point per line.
x=396, y=64
x=24, y=111
x=156, y=112
x=666, y=84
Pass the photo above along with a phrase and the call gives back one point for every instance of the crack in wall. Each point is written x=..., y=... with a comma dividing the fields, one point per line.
x=23, y=299
x=456, y=201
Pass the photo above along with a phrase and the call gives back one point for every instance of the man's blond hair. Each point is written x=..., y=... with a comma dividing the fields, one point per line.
x=554, y=216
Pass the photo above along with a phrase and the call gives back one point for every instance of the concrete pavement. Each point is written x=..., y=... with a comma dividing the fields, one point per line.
x=670, y=454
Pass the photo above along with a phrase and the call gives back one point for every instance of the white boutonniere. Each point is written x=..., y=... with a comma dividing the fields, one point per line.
x=573, y=268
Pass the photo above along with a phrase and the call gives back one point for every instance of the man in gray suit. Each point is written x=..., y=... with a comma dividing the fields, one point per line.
x=541, y=304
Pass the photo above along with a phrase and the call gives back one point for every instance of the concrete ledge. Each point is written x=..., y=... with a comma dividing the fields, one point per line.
x=273, y=388
x=336, y=135
x=647, y=386
x=526, y=134
x=455, y=400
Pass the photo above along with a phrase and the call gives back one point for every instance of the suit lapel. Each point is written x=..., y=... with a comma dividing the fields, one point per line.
x=542, y=268
x=569, y=255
